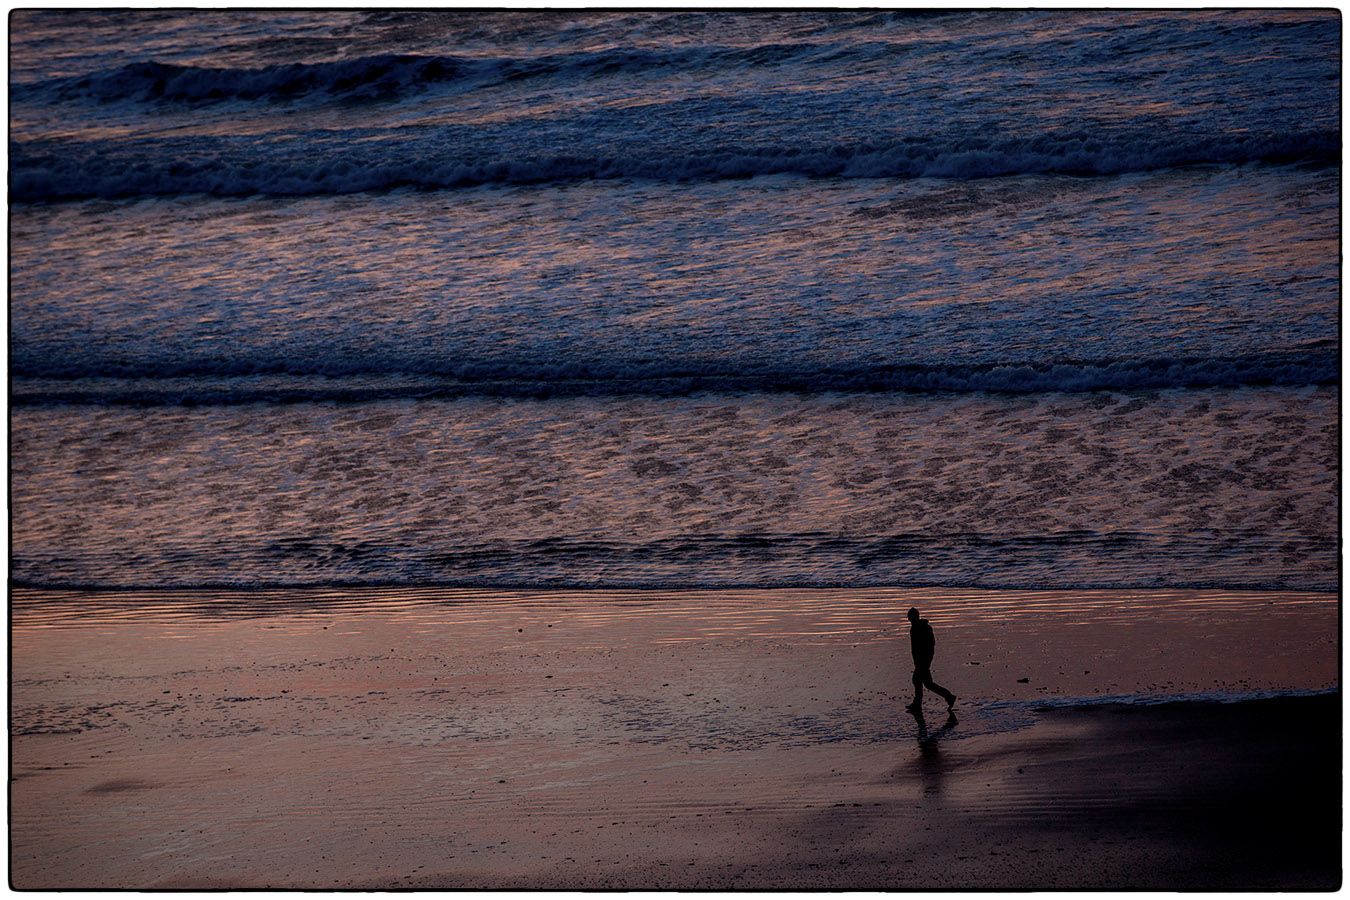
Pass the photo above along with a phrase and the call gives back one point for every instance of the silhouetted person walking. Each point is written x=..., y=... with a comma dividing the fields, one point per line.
x=922, y=644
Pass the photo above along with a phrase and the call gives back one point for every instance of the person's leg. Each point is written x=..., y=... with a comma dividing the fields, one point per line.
x=940, y=691
x=918, y=690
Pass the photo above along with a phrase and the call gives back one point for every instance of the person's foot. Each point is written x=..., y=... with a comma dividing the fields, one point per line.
x=913, y=707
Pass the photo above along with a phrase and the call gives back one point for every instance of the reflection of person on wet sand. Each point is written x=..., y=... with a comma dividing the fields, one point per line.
x=928, y=740
x=930, y=760
x=921, y=645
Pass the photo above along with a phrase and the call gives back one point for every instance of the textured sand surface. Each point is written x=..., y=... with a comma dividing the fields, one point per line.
x=718, y=739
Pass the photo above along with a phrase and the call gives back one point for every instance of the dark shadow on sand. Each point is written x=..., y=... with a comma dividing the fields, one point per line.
x=929, y=761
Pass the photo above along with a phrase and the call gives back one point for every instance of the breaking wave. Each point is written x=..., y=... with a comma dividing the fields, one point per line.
x=56, y=170
x=392, y=76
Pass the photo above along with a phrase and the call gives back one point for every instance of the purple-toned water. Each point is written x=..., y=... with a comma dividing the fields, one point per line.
x=661, y=300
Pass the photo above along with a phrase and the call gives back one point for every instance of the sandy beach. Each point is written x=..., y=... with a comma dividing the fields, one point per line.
x=756, y=739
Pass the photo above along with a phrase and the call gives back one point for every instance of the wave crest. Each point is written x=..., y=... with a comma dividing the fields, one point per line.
x=1127, y=560
x=393, y=76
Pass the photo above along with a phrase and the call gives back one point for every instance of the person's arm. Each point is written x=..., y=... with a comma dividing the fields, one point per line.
x=929, y=644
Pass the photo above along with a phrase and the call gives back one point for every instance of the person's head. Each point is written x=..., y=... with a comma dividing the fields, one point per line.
x=912, y=615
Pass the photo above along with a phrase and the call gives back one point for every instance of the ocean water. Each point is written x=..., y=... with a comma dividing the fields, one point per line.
x=652, y=299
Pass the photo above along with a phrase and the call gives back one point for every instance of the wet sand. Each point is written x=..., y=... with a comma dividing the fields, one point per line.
x=444, y=739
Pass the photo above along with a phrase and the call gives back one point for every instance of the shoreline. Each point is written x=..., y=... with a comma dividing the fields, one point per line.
x=690, y=739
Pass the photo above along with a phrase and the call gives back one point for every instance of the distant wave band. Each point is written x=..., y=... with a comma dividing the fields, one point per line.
x=59, y=170
x=228, y=384
x=643, y=584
